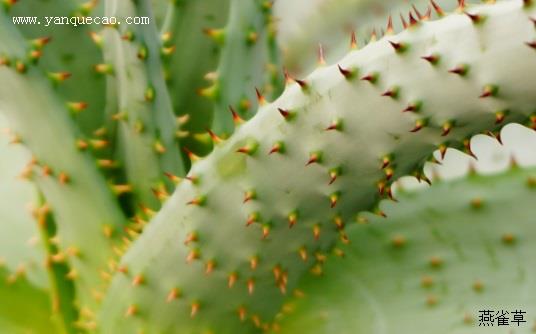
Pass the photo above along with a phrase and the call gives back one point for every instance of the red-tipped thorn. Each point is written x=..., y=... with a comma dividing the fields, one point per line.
x=192, y=156
x=432, y=59
x=321, y=60
x=292, y=219
x=313, y=158
x=439, y=11
x=249, y=195
x=475, y=18
x=346, y=73
x=389, y=30
x=353, y=41
x=260, y=98
x=446, y=129
x=285, y=113
x=372, y=78
x=412, y=20
x=236, y=119
x=468, y=150
x=215, y=139
x=419, y=16
x=333, y=199
x=404, y=23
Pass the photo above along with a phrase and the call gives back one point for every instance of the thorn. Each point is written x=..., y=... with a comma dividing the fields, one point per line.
x=149, y=94
x=131, y=311
x=138, y=280
x=314, y=157
x=439, y=11
x=321, y=59
x=20, y=67
x=390, y=194
x=159, y=147
x=337, y=220
x=209, y=267
x=373, y=36
x=386, y=161
x=192, y=255
x=260, y=98
x=249, y=195
x=489, y=90
x=432, y=59
x=63, y=178
x=333, y=199
x=389, y=30
x=392, y=93
x=335, y=125
x=404, y=23
x=193, y=158
x=381, y=187
x=191, y=237
x=199, y=201
x=353, y=41
x=173, y=178
x=443, y=150
x=265, y=231
x=217, y=35
x=242, y=313
x=413, y=107
x=248, y=149
x=287, y=114
x=236, y=119
x=232, y=279
x=173, y=295
x=303, y=254
x=398, y=46
x=428, y=14
x=77, y=107
x=461, y=70
x=348, y=74
x=58, y=77
x=419, y=16
x=104, y=68
x=160, y=193
x=192, y=178
x=467, y=146
x=40, y=42
x=372, y=78
x=499, y=117
x=412, y=21
x=389, y=172
x=288, y=80
x=194, y=309
x=251, y=285
x=278, y=147
x=446, y=128
x=252, y=218
x=210, y=92
x=120, y=189
x=531, y=44
x=292, y=219
x=277, y=271
x=496, y=135
x=316, y=232
x=475, y=18
x=253, y=262
x=333, y=174
x=461, y=5
x=419, y=124
x=303, y=85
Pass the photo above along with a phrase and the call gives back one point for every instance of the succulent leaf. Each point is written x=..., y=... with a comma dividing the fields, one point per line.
x=298, y=182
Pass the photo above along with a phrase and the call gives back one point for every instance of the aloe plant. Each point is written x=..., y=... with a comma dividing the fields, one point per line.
x=139, y=234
